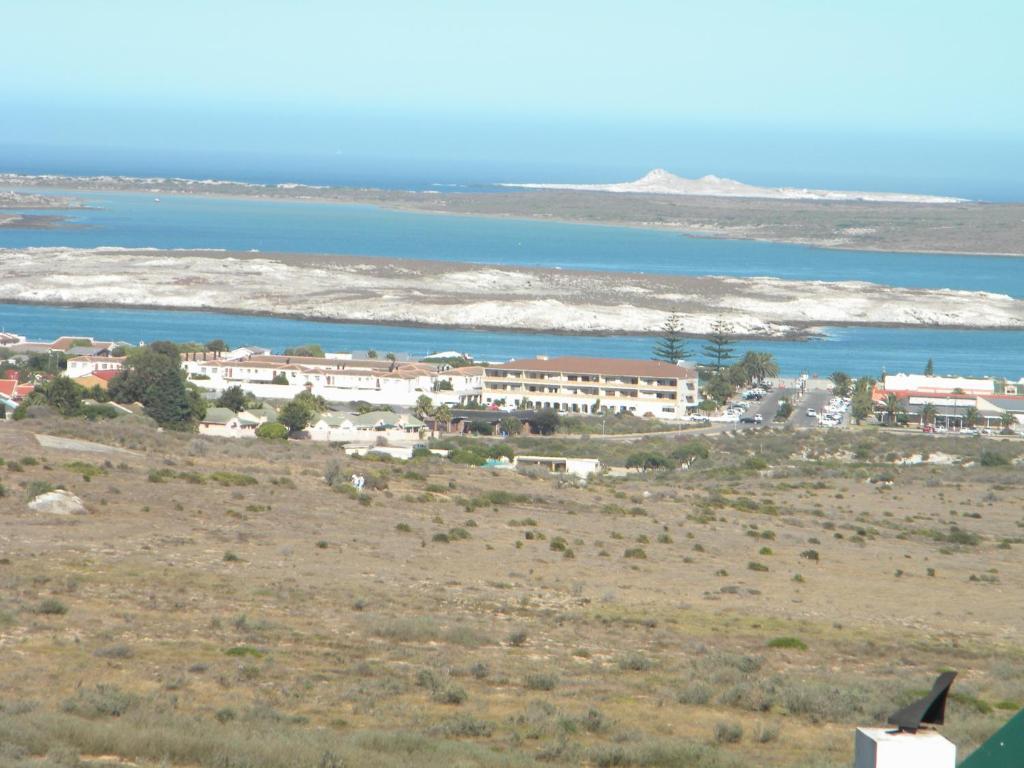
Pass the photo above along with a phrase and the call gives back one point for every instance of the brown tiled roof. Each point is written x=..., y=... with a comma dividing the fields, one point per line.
x=604, y=366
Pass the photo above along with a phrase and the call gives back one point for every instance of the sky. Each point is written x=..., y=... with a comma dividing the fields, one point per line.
x=561, y=85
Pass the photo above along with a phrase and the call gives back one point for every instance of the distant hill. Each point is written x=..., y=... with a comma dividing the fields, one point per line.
x=661, y=182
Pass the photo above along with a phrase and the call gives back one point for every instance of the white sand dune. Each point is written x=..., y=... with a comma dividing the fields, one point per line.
x=661, y=182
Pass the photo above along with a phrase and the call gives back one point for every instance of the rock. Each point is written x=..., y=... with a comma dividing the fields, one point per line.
x=58, y=503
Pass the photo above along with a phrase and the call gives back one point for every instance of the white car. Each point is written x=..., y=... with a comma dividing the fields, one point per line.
x=812, y=413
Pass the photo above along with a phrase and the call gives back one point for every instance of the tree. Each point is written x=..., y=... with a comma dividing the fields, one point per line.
x=294, y=415
x=718, y=388
x=155, y=379
x=546, y=421
x=687, y=453
x=758, y=366
x=670, y=347
x=862, y=406
x=720, y=344
x=928, y=413
x=929, y=368
x=64, y=395
x=841, y=383
x=424, y=407
x=216, y=345
x=893, y=408
x=371, y=354
x=233, y=398
x=443, y=415
x=279, y=378
x=510, y=426
x=306, y=350
x=168, y=348
x=1007, y=421
x=391, y=356
x=646, y=461
x=971, y=416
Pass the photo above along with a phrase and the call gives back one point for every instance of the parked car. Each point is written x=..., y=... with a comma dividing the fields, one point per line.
x=930, y=428
x=812, y=413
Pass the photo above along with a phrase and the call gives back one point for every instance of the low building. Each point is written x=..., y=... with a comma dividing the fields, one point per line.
x=366, y=428
x=592, y=385
x=336, y=380
x=83, y=365
x=560, y=465
x=223, y=422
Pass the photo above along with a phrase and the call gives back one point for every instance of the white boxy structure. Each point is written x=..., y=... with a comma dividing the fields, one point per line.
x=889, y=748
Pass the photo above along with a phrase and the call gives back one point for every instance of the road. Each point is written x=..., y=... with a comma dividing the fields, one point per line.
x=816, y=399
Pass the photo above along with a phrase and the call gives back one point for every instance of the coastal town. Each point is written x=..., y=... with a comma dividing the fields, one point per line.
x=392, y=404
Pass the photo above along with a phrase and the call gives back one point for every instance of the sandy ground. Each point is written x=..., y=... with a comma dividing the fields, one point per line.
x=281, y=593
x=361, y=289
x=968, y=228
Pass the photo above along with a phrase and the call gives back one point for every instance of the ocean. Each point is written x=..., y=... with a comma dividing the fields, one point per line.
x=136, y=220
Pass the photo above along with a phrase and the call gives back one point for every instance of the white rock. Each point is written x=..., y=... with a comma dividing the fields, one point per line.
x=58, y=503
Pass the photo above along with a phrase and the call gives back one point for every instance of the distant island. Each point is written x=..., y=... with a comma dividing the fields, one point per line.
x=950, y=226
x=661, y=182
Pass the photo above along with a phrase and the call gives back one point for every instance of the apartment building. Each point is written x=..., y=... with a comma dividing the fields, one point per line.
x=592, y=385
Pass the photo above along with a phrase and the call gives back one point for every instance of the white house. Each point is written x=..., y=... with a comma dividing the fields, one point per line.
x=87, y=364
x=367, y=428
x=560, y=464
x=223, y=422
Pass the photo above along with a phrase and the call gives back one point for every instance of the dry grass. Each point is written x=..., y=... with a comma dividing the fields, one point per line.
x=343, y=634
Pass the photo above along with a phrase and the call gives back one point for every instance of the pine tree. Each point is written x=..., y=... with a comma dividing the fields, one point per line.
x=720, y=344
x=929, y=369
x=670, y=347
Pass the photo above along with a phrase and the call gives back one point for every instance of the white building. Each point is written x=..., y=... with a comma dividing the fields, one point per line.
x=913, y=382
x=366, y=428
x=223, y=422
x=594, y=385
x=560, y=464
x=380, y=382
x=87, y=364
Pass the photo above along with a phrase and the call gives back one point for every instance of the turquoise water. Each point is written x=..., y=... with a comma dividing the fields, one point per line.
x=134, y=220
x=859, y=351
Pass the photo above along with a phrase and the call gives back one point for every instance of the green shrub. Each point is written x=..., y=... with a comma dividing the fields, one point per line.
x=51, y=607
x=540, y=681
x=635, y=553
x=793, y=643
x=728, y=733
x=271, y=430
x=38, y=488
x=101, y=701
x=634, y=662
x=232, y=478
x=755, y=566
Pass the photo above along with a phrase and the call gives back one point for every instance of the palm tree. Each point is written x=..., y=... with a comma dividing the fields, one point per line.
x=758, y=366
x=424, y=407
x=928, y=413
x=893, y=407
x=443, y=415
x=956, y=403
x=1007, y=421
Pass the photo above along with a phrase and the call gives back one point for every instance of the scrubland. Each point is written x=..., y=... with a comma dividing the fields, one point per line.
x=235, y=603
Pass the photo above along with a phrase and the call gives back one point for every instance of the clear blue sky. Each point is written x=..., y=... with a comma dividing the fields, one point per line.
x=374, y=78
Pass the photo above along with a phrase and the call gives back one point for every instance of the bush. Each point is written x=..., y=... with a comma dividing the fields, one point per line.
x=635, y=553
x=51, y=607
x=271, y=430
x=728, y=733
x=755, y=566
x=101, y=701
x=517, y=639
x=539, y=681
x=450, y=695
x=794, y=643
x=634, y=662
x=37, y=488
